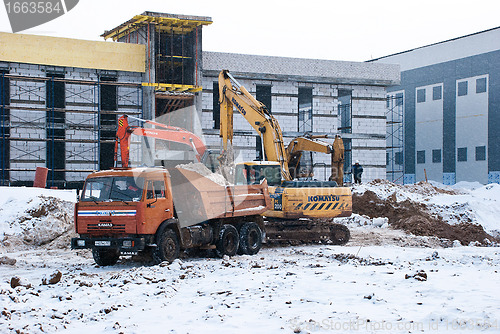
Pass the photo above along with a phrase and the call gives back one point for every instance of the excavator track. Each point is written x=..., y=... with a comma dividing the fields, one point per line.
x=304, y=231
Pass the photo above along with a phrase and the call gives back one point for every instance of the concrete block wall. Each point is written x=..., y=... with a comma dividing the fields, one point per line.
x=81, y=105
x=368, y=119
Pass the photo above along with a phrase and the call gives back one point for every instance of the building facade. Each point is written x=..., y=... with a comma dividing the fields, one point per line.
x=60, y=103
x=450, y=98
x=320, y=97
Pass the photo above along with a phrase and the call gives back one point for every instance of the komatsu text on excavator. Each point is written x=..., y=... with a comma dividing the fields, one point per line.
x=292, y=200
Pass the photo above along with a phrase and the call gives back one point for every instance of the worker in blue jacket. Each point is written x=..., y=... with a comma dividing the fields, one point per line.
x=357, y=170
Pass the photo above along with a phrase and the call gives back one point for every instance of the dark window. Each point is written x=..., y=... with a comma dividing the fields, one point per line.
x=108, y=94
x=387, y=159
x=398, y=156
x=420, y=157
x=436, y=156
x=345, y=114
x=216, y=106
x=108, y=133
x=420, y=95
x=55, y=97
x=56, y=155
x=4, y=129
x=4, y=89
x=399, y=99
x=4, y=99
x=305, y=123
x=347, y=159
x=55, y=94
x=4, y=155
x=436, y=93
x=107, y=150
x=480, y=153
x=463, y=88
x=108, y=120
x=481, y=85
x=175, y=53
x=462, y=154
x=263, y=94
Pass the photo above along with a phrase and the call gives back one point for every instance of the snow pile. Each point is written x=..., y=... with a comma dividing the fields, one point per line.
x=34, y=216
x=478, y=205
x=417, y=192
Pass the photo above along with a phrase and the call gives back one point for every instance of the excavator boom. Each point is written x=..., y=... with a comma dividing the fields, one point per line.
x=163, y=132
x=257, y=116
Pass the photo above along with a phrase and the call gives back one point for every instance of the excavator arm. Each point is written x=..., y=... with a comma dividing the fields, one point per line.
x=256, y=115
x=163, y=132
x=310, y=143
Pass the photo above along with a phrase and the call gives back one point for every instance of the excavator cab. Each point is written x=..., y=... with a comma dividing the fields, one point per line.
x=254, y=172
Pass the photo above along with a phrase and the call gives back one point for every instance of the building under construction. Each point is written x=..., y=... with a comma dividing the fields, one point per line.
x=60, y=100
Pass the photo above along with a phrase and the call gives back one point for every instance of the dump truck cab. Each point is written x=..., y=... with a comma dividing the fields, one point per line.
x=122, y=208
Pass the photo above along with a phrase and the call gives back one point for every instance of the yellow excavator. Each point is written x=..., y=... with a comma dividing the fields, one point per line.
x=301, y=210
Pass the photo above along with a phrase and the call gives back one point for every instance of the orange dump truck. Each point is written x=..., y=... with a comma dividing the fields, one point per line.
x=133, y=210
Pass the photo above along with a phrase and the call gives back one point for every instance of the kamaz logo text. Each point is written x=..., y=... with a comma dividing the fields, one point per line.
x=105, y=225
x=238, y=106
x=323, y=198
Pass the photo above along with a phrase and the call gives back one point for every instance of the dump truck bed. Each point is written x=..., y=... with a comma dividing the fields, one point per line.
x=197, y=198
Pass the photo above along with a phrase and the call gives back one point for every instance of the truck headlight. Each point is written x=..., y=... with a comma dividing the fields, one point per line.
x=80, y=243
x=128, y=243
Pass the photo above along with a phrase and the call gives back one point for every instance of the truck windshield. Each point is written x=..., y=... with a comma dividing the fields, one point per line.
x=105, y=189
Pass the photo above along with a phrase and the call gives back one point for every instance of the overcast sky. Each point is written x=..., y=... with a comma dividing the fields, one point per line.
x=355, y=30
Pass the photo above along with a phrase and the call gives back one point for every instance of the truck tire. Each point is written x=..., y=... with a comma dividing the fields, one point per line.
x=228, y=241
x=250, y=239
x=168, y=246
x=105, y=257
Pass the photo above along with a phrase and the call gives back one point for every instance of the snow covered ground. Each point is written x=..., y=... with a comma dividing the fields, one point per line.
x=304, y=289
x=384, y=280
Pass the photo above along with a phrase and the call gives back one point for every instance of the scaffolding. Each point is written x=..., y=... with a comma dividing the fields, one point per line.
x=33, y=124
x=395, y=138
x=4, y=129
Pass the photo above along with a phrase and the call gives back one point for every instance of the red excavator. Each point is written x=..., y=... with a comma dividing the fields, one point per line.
x=163, y=132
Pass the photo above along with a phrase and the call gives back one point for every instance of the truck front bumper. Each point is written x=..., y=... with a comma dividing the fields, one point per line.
x=124, y=245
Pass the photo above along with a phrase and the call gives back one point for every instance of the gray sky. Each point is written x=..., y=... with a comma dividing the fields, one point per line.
x=355, y=30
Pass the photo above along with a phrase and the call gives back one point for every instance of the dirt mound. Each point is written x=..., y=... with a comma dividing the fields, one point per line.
x=414, y=218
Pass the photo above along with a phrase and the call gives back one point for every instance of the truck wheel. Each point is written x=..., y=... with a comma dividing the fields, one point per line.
x=228, y=241
x=105, y=257
x=250, y=239
x=168, y=246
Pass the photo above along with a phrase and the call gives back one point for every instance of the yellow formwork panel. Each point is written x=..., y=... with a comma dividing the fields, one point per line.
x=173, y=87
x=177, y=25
x=67, y=52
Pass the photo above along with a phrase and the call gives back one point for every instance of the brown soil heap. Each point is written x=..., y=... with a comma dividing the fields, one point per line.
x=414, y=218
